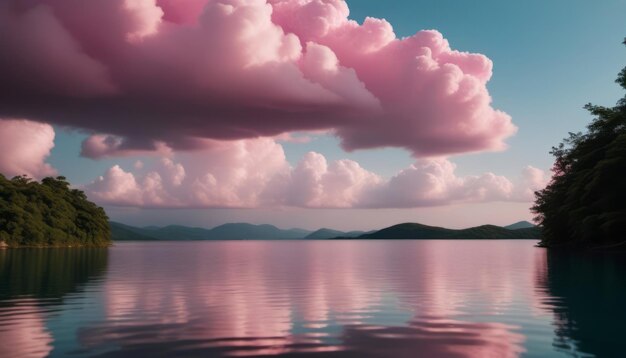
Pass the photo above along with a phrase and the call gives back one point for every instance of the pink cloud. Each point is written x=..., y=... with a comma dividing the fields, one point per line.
x=187, y=14
x=291, y=138
x=533, y=179
x=100, y=146
x=229, y=174
x=24, y=147
x=175, y=73
x=255, y=173
x=316, y=183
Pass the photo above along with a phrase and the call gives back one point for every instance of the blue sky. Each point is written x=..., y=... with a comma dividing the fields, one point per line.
x=550, y=58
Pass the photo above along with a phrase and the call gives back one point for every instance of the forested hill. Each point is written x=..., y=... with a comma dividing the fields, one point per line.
x=49, y=213
x=584, y=206
x=413, y=231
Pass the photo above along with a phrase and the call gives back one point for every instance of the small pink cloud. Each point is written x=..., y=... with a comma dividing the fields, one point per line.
x=291, y=138
x=99, y=146
x=117, y=186
x=140, y=72
x=24, y=148
x=533, y=179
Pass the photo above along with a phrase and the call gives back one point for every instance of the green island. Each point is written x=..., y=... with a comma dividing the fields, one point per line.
x=584, y=206
x=49, y=214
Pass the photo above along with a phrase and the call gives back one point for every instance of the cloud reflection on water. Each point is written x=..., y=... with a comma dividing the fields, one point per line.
x=352, y=298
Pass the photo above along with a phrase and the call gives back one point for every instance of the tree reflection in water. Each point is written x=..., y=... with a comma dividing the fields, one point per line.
x=587, y=295
x=49, y=273
x=33, y=285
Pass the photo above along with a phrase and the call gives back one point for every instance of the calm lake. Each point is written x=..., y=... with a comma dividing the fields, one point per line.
x=312, y=298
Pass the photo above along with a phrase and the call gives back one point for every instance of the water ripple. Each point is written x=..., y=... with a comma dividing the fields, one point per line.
x=335, y=299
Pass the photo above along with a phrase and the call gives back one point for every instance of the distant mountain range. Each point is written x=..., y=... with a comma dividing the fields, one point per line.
x=324, y=234
x=237, y=231
x=243, y=231
x=519, y=225
x=409, y=231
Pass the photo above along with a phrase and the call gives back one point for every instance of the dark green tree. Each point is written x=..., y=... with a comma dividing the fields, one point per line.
x=585, y=203
x=49, y=213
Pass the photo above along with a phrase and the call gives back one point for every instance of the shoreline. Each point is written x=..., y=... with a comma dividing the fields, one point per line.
x=5, y=246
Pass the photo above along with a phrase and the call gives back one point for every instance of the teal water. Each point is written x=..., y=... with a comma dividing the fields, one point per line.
x=317, y=298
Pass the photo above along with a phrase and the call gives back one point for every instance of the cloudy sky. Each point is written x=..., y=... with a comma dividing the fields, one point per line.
x=302, y=113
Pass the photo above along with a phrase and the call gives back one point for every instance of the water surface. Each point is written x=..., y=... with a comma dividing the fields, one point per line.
x=311, y=298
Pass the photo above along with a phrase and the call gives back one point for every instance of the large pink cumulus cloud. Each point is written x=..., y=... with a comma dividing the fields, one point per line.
x=255, y=173
x=24, y=147
x=147, y=74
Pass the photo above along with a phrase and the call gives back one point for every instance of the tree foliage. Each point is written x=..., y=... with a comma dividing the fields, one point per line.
x=585, y=203
x=49, y=213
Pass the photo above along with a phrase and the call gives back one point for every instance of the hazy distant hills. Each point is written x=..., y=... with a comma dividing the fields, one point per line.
x=243, y=231
x=520, y=225
x=418, y=231
x=121, y=232
x=324, y=234
x=240, y=231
